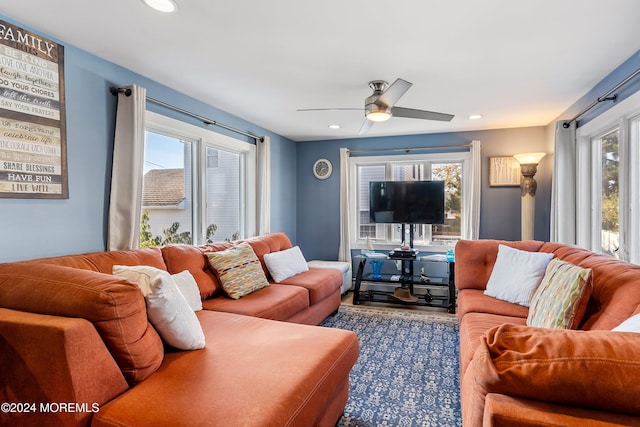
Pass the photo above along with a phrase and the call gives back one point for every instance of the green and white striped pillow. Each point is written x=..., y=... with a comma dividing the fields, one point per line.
x=561, y=299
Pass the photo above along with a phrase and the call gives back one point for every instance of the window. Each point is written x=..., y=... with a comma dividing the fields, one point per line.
x=608, y=193
x=198, y=185
x=449, y=167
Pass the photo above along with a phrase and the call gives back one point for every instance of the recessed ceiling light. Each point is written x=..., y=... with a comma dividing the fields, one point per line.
x=166, y=6
x=334, y=126
x=475, y=116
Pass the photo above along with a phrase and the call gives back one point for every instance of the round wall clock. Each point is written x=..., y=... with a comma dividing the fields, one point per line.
x=322, y=169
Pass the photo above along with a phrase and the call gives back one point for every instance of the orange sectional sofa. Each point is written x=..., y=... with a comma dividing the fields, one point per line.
x=518, y=375
x=77, y=349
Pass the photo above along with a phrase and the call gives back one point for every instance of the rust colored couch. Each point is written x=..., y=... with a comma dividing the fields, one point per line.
x=516, y=375
x=76, y=347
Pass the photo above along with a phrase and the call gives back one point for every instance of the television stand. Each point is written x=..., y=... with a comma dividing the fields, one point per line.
x=439, y=276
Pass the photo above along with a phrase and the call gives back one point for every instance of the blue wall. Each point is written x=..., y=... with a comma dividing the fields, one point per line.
x=32, y=228
x=319, y=200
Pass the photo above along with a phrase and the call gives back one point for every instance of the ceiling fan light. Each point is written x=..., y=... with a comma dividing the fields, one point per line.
x=379, y=116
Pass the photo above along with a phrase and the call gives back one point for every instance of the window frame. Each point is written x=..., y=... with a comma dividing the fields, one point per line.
x=200, y=139
x=626, y=118
x=463, y=157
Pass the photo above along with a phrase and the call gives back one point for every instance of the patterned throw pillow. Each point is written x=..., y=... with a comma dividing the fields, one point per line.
x=239, y=270
x=561, y=299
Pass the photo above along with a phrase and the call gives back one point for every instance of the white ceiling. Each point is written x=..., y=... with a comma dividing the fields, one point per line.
x=519, y=63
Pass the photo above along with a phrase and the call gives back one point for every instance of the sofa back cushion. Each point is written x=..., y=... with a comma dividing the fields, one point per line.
x=267, y=244
x=114, y=306
x=479, y=258
x=184, y=257
x=104, y=261
x=616, y=291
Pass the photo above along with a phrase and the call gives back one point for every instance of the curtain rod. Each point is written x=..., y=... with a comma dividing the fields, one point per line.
x=127, y=92
x=407, y=150
x=606, y=97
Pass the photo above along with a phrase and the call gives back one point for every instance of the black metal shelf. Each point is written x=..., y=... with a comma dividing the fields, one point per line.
x=388, y=298
x=404, y=280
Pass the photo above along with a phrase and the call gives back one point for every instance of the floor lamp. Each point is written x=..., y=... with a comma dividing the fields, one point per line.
x=528, y=185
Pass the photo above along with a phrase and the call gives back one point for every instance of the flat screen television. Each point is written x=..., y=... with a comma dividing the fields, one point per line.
x=406, y=202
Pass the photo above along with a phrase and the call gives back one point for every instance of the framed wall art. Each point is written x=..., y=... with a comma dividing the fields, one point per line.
x=504, y=171
x=33, y=155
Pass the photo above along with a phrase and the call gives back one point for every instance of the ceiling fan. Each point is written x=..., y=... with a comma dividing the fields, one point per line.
x=380, y=106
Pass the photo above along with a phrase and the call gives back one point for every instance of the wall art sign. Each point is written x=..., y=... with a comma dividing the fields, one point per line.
x=33, y=154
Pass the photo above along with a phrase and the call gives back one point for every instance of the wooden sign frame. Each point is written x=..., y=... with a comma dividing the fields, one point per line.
x=33, y=141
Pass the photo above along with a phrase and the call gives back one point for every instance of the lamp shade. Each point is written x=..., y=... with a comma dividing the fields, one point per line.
x=529, y=158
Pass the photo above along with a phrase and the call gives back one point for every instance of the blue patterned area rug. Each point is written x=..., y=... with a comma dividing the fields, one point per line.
x=407, y=372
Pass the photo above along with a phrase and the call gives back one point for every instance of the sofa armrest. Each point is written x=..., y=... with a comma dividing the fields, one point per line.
x=594, y=369
x=54, y=360
x=475, y=260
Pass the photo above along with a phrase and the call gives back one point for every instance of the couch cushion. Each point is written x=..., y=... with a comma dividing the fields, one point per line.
x=318, y=281
x=502, y=410
x=115, y=306
x=268, y=243
x=285, y=264
x=189, y=289
x=593, y=369
x=277, y=302
x=170, y=313
x=104, y=261
x=238, y=270
x=561, y=299
x=184, y=257
x=141, y=275
x=479, y=257
x=517, y=274
x=472, y=327
x=475, y=301
x=255, y=372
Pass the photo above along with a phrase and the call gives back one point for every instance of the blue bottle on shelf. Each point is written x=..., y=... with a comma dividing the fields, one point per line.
x=450, y=255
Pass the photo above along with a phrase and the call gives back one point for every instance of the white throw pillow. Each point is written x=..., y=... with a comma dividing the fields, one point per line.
x=632, y=324
x=170, y=313
x=141, y=275
x=189, y=288
x=517, y=274
x=285, y=264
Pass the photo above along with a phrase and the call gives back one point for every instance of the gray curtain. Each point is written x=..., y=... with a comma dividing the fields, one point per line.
x=263, y=187
x=471, y=221
x=344, y=251
x=563, y=189
x=126, y=172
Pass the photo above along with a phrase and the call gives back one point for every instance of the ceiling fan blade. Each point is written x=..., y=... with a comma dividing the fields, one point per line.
x=393, y=93
x=420, y=114
x=365, y=126
x=330, y=109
